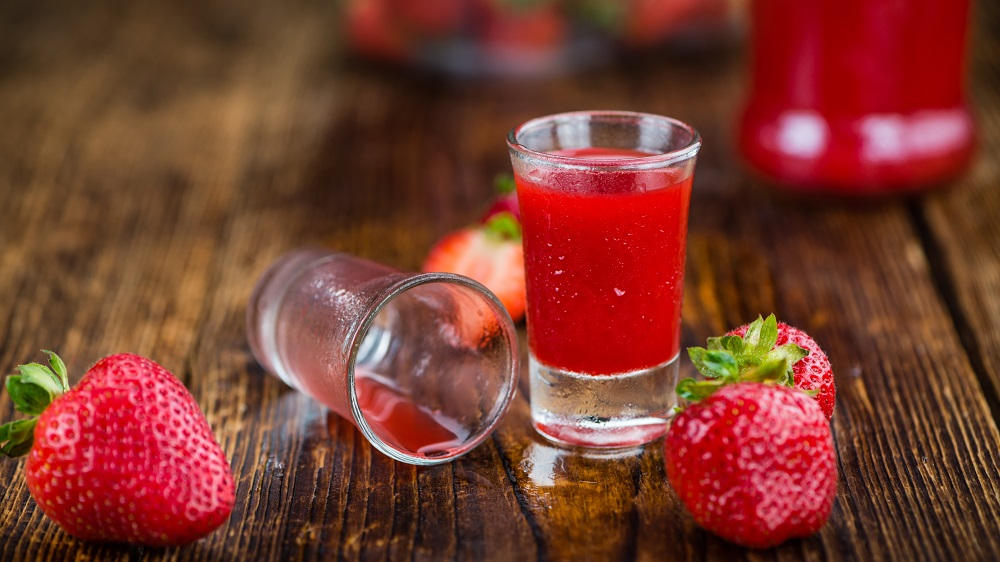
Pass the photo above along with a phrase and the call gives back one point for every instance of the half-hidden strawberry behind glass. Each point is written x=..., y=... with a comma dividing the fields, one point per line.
x=424, y=365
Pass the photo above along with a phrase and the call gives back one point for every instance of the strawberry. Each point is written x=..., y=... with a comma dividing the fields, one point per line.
x=650, y=21
x=372, y=31
x=813, y=372
x=746, y=347
x=489, y=253
x=753, y=462
x=125, y=456
x=430, y=18
x=505, y=201
x=522, y=26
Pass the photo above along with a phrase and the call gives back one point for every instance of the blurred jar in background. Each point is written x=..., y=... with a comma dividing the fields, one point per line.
x=858, y=96
x=527, y=37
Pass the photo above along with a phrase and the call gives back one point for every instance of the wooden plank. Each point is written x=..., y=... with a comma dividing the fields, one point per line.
x=231, y=193
x=961, y=225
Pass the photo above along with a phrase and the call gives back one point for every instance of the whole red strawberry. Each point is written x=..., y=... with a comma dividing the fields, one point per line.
x=813, y=372
x=748, y=346
x=125, y=456
x=753, y=463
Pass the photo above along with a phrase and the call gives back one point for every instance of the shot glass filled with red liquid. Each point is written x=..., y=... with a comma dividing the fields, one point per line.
x=604, y=202
x=858, y=96
x=424, y=365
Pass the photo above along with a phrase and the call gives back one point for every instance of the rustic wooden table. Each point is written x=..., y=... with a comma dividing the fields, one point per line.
x=155, y=158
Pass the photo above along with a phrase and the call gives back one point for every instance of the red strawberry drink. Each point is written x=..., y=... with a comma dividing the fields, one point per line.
x=605, y=252
x=604, y=201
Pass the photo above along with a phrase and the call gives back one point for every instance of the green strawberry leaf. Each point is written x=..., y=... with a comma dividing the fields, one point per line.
x=732, y=344
x=504, y=184
x=697, y=356
x=768, y=333
x=58, y=367
x=504, y=226
x=693, y=390
x=36, y=386
x=790, y=352
x=714, y=363
x=28, y=397
x=772, y=370
x=17, y=437
x=752, y=335
x=762, y=334
x=38, y=374
x=31, y=390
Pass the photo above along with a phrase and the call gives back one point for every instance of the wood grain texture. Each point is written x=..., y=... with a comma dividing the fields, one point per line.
x=156, y=157
x=962, y=226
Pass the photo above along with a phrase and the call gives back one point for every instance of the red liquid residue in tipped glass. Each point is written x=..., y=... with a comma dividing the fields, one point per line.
x=404, y=425
x=604, y=257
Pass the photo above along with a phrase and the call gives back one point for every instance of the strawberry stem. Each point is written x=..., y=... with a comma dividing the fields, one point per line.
x=504, y=226
x=32, y=389
x=751, y=358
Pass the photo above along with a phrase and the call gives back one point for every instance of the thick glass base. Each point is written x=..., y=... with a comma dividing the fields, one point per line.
x=602, y=411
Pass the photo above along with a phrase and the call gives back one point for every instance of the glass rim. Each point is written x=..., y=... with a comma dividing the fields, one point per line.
x=653, y=161
x=408, y=282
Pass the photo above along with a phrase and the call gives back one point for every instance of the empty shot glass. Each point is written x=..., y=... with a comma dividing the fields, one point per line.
x=424, y=365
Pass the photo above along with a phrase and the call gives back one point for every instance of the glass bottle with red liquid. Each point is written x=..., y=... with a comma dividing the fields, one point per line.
x=858, y=96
